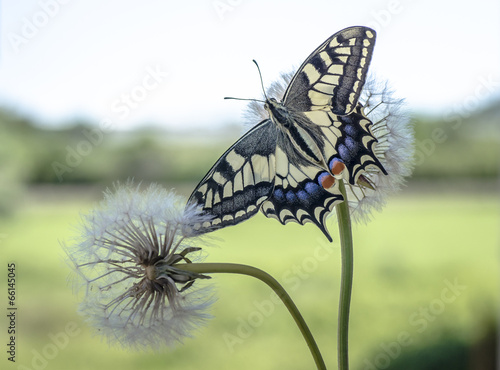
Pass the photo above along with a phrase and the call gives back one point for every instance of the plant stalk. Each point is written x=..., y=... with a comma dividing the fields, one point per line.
x=233, y=268
x=346, y=248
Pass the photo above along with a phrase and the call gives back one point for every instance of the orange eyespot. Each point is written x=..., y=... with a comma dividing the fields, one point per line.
x=326, y=180
x=337, y=167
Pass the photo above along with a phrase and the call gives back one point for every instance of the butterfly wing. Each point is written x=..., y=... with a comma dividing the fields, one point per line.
x=240, y=181
x=333, y=76
x=349, y=139
x=297, y=195
x=326, y=89
x=262, y=170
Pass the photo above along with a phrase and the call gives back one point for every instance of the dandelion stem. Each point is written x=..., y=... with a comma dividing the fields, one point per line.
x=345, y=232
x=233, y=268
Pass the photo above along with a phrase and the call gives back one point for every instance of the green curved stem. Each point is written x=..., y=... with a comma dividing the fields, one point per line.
x=233, y=268
x=346, y=248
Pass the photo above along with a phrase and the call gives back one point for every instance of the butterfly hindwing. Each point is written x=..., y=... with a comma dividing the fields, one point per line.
x=355, y=145
x=333, y=76
x=241, y=179
x=349, y=139
x=298, y=196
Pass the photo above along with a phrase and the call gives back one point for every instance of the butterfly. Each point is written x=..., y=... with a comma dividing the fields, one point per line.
x=289, y=165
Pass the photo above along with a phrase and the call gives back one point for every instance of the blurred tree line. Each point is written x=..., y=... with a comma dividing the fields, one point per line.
x=80, y=152
x=458, y=145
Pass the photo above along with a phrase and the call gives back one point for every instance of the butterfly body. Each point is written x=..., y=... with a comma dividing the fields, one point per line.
x=296, y=129
x=288, y=165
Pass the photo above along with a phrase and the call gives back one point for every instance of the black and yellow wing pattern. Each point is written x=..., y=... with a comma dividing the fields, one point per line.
x=241, y=180
x=287, y=166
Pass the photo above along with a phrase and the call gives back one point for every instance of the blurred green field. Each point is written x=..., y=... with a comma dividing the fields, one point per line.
x=406, y=260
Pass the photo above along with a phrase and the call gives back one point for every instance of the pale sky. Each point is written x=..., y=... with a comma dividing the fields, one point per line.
x=172, y=62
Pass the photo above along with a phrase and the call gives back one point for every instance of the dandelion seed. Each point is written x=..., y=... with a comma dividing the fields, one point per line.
x=394, y=147
x=124, y=259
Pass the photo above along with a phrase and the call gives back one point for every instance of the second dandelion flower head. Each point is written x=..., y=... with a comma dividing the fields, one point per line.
x=125, y=257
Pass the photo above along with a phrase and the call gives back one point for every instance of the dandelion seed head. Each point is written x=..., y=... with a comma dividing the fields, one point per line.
x=124, y=259
x=394, y=149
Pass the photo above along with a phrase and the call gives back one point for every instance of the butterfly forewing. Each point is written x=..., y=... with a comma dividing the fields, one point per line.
x=333, y=76
x=240, y=181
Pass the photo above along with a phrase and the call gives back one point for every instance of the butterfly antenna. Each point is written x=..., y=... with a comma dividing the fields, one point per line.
x=230, y=97
x=260, y=75
x=261, y=84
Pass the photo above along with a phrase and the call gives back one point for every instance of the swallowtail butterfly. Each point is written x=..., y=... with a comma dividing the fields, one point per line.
x=288, y=165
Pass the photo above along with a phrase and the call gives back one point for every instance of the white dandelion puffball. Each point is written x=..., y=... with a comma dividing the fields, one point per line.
x=124, y=259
